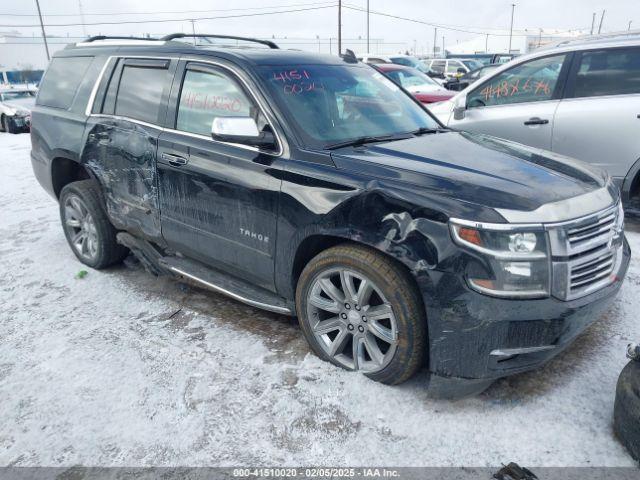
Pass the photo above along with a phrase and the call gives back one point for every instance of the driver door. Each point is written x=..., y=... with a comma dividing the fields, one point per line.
x=218, y=201
x=518, y=104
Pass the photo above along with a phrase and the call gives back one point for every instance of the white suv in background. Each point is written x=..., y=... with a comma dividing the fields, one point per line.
x=580, y=99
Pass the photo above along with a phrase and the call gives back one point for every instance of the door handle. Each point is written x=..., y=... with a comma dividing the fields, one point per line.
x=536, y=121
x=174, y=160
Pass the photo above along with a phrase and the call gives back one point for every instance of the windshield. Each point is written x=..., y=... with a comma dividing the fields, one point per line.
x=413, y=80
x=328, y=104
x=410, y=62
x=472, y=64
x=7, y=96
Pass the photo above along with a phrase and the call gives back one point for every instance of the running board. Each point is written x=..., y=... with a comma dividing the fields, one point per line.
x=226, y=285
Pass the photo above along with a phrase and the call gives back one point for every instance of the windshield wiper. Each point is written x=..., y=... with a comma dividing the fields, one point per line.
x=425, y=130
x=356, y=142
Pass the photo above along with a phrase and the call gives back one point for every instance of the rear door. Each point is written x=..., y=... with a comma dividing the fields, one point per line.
x=219, y=201
x=518, y=104
x=599, y=120
x=122, y=140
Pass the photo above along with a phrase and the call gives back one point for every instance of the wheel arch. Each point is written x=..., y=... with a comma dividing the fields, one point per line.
x=65, y=170
x=631, y=182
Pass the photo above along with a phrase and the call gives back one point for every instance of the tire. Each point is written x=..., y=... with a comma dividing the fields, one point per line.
x=8, y=125
x=342, y=334
x=626, y=411
x=97, y=246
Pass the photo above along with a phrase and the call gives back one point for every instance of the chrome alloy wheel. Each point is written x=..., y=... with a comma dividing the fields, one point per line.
x=352, y=320
x=80, y=227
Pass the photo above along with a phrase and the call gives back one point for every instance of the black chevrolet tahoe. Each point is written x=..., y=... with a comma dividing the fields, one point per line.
x=310, y=185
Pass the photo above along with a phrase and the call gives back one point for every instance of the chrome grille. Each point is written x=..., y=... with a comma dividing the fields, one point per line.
x=592, y=271
x=597, y=227
x=585, y=252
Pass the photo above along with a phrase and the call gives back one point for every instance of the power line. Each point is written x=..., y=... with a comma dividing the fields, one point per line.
x=167, y=12
x=173, y=20
x=462, y=29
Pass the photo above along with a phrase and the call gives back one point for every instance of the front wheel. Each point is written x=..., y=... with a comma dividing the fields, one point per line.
x=361, y=311
x=87, y=227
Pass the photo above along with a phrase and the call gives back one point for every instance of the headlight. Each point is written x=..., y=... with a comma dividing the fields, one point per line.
x=516, y=256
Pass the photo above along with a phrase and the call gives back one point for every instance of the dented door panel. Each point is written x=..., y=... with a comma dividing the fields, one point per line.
x=122, y=155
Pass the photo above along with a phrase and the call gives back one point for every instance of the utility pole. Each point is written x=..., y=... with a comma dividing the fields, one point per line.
x=339, y=27
x=84, y=27
x=601, y=20
x=193, y=29
x=593, y=22
x=44, y=36
x=513, y=7
x=435, y=40
x=368, y=46
x=486, y=44
x=443, y=53
x=629, y=25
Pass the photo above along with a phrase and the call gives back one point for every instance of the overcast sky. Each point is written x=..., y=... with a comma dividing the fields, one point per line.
x=488, y=16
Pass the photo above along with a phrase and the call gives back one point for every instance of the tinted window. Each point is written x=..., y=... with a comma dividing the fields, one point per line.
x=402, y=61
x=608, y=72
x=140, y=92
x=207, y=95
x=532, y=81
x=332, y=103
x=62, y=80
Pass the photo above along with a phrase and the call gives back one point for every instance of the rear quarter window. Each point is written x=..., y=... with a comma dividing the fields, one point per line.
x=61, y=81
x=608, y=72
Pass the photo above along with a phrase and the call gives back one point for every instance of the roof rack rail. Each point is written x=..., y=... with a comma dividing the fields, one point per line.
x=173, y=36
x=106, y=37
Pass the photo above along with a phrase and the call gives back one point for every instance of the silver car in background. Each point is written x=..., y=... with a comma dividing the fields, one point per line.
x=580, y=99
x=15, y=108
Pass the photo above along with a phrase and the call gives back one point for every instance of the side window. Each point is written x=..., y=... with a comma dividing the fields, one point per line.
x=608, y=72
x=210, y=94
x=438, y=66
x=62, y=80
x=453, y=66
x=140, y=91
x=534, y=81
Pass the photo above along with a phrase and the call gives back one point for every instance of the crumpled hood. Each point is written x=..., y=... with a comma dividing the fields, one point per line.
x=478, y=169
x=22, y=103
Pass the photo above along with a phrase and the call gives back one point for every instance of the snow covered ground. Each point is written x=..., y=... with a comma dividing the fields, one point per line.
x=120, y=368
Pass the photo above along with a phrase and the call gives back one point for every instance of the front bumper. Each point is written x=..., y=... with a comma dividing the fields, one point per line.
x=475, y=339
x=21, y=122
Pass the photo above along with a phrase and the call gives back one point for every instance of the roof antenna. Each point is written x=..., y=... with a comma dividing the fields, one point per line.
x=349, y=56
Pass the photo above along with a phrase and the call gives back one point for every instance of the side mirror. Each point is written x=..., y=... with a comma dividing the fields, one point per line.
x=242, y=130
x=460, y=108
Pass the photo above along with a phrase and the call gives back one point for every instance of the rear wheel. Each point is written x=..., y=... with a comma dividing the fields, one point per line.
x=361, y=311
x=87, y=227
